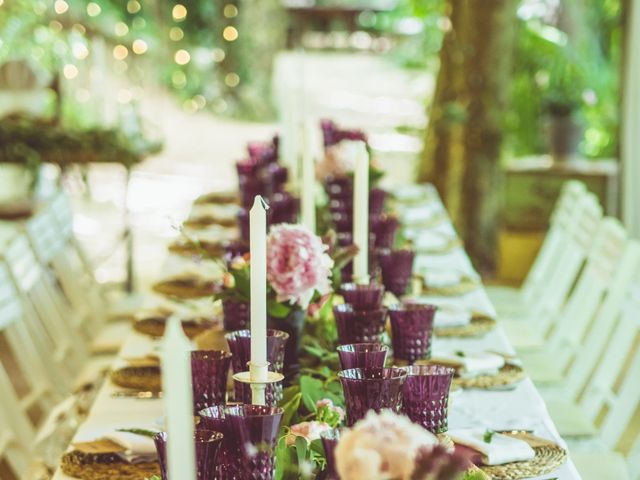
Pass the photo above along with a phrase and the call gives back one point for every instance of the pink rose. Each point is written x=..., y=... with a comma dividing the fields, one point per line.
x=297, y=264
x=310, y=431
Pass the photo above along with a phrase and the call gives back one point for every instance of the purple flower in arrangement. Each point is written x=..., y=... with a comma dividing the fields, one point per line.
x=297, y=264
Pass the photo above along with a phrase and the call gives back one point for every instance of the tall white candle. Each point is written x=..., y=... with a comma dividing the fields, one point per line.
x=308, y=183
x=361, y=214
x=258, y=247
x=178, y=402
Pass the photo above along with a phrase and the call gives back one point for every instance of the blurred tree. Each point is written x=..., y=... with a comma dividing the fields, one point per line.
x=464, y=136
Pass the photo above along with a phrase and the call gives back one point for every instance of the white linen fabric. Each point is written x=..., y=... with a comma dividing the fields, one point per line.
x=499, y=450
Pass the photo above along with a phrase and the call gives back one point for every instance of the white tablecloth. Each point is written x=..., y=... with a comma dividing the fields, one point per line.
x=521, y=408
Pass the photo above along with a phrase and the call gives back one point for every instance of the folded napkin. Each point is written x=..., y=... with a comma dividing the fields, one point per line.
x=446, y=317
x=212, y=234
x=431, y=241
x=500, y=450
x=442, y=278
x=420, y=214
x=226, y=211
x=409, y=193
x=138, y=448
x=472, y=364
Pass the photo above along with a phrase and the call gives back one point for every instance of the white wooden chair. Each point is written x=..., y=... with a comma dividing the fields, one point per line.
x=531, y=330
x=513, y=301
x=55, y=248
x=610, y=404
x=53, y=325
x=596, y=282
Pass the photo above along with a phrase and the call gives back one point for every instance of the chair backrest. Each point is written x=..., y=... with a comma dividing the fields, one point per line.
x=561, y=223
x=47, y=313
x=612, y=397
x=593, y=347
x=55, y=247
x=63, y=212
x=16, y=435
x=19, y=356
x=588, y=295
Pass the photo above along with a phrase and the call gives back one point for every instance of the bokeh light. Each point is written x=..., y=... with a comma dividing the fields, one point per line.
x=179, y=12
x=230, y=33
x=120, y=52
x=60, y=6
x=182, y=57
x=70, y=71
x=230, y=11
x=139, y=46
x=176, y=34
x=121, y=29
x=218, y=55
x=80, y=51
x=133, y=6
x=232, y=79
x=93, y=9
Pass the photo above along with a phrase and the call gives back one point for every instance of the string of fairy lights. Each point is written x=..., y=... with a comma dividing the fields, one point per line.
x=140, y=30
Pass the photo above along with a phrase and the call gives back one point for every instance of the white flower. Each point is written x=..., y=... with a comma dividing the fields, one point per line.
x=381, y=446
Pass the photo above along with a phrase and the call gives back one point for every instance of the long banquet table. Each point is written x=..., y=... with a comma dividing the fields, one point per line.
x=520, y=408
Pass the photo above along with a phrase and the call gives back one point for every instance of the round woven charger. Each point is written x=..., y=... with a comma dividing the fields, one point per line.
x=201, y=248
x=87, y=466
x=549, y=456
x=479, y=325
x=466, y=285
x=433, y=221
x=209, y=220
x=154, y=326
x=445, y=441
x=507, y=375
x=448, y=247
x=185, y=289
x=218, y=198
x=141, y=378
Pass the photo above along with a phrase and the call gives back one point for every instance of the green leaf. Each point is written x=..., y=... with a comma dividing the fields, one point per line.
x=488, y=436
x=290, y=409
x=277, y=309
x=285, y=462
x=138, y=431
x=301, y=449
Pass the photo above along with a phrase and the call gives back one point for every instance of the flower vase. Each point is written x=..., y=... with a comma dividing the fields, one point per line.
x=293, y=324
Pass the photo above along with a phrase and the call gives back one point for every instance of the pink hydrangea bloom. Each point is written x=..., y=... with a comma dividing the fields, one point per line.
x=297, y=264
x=310, y=431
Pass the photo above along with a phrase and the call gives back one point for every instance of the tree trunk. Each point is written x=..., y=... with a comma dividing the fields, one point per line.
x=464, y=136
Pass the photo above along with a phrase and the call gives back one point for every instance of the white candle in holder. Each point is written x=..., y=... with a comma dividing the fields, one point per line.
x=361, y=214
x=258, y=248
x=178, y=402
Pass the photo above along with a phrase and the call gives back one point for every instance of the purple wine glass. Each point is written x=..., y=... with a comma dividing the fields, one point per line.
x=359, y=326
x=426, y=395
x=236, y=315
x=396, y=267
x=240, y=346
x=411, y=330
x=209, y=372
x=213, y=418
x=330, y=441
x=362, y=355
x=371, y=389
x=385, y=231
x=377, y=197
x=207, y=447
x=363, y=296
x=254, y=429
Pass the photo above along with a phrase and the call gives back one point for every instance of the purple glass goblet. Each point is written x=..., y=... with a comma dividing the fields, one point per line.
x=363, y=296
x=396, y=267
x=254, y=429
x=426, y=395
x=342, y=221
x=243, y=223
x=284, y=208
x=279, y=174
x=359, y=326
x=411, y=330
x=207, y=447
x=377, y=197
x=236, y=315
x=362, y=355
x=213, y=418
x=234, y=248
x=385, y=231
x=209, y=372
x=371, y=389
x=330, y=441
x=240, y=346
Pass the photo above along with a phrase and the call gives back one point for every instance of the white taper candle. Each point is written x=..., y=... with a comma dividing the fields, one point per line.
x=178, y=402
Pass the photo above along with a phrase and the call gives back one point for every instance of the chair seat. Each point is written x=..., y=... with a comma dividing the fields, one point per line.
x=570, y=419
x=522, y=334
x=541, y=368
x=600, y=465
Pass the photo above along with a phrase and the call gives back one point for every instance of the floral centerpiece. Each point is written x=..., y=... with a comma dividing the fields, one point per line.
x=300, y=273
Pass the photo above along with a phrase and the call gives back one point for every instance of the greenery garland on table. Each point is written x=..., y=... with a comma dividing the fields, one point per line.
x=30, y=141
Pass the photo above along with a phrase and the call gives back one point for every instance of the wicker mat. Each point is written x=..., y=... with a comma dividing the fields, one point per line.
x=479, y=325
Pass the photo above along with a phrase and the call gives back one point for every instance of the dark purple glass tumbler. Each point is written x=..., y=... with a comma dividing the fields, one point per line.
x=330, y=441
x=213, y=418
x=396, y=267
x=359, y=326
x=254, y=430
x=209, y=372
x=362, y=355
x=207, y=447
x=425, y=395
x=363, y=296
x=411, y=330
x=374, y=389
x=240, y=345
